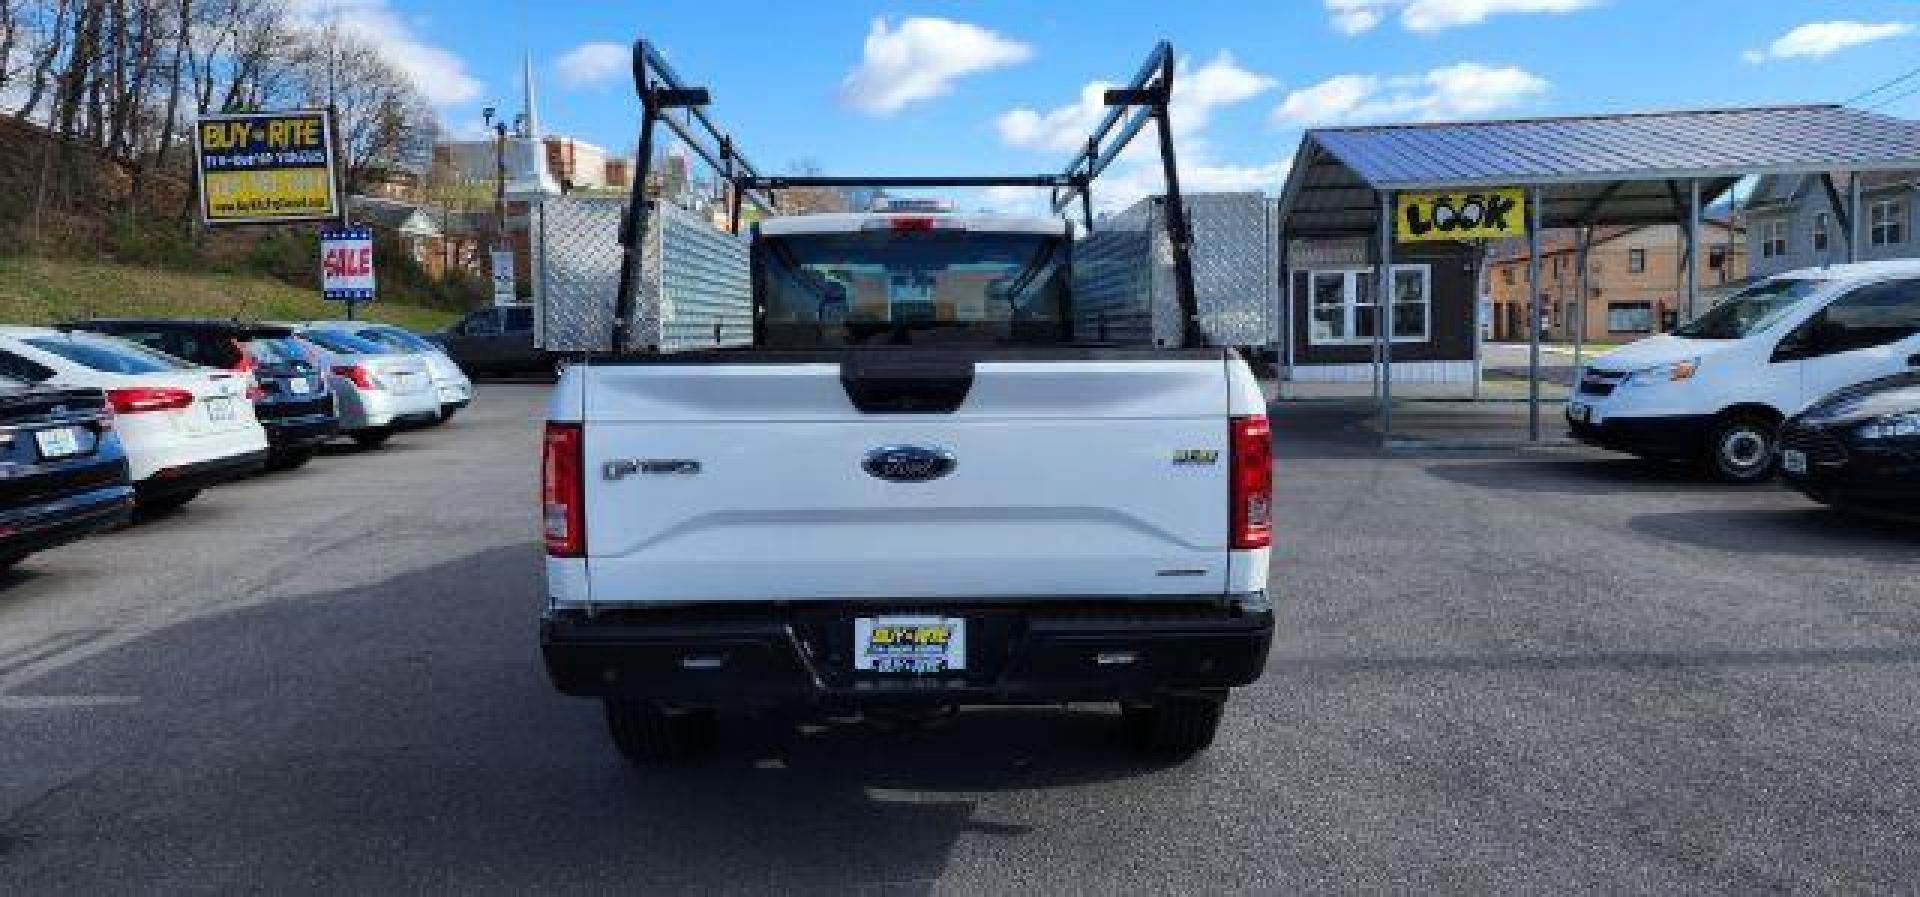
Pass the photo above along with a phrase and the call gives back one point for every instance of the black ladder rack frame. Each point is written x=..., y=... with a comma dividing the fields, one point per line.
x=666, y=99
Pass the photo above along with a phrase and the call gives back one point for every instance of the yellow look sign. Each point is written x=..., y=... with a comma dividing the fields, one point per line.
x=1461, y=215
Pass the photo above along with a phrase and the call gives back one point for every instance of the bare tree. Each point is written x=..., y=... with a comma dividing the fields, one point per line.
x=385, y=122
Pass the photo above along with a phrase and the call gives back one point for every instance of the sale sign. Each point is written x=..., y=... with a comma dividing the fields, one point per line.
x=346, y=264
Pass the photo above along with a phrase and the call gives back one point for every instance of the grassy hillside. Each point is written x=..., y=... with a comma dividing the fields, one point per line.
x=41, y=291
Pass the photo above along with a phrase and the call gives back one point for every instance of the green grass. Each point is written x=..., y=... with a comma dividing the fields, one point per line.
x=44, y=291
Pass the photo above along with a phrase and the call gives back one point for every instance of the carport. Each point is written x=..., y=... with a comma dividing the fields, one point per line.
x=1574, y=172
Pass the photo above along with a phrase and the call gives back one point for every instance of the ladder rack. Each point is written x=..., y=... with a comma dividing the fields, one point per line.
x=1145, y=99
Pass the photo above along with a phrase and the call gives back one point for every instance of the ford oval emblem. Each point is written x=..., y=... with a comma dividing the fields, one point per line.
x=908, y=463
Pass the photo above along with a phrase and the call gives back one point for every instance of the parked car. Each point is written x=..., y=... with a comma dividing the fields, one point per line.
x=63, y=474
x=1718, y=388
x=497, y=340
x=184, y=427
x=1859, y=448
x=456, y=391
x=290, y=395
x=378, y=391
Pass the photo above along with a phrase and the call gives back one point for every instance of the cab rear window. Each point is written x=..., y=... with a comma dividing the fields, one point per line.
x=912, y=287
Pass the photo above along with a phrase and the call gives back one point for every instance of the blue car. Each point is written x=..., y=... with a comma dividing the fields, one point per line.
x=63, y=475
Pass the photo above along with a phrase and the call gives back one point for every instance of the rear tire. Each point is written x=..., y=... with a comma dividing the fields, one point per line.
x=1741, y=449
x=648, y=732
x=1174, y=726
x=372, y=439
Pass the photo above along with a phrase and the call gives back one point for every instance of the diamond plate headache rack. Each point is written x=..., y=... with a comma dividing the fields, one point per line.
x=1144, y=99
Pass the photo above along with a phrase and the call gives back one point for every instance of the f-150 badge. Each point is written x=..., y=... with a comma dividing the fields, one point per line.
x=626, y=467
x=1196, y=456
x=908, y=463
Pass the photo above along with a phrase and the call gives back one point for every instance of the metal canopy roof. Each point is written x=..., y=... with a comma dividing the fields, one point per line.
x=1599, y=169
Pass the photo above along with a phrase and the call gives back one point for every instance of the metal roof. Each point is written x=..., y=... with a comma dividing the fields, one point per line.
x=1599, y=169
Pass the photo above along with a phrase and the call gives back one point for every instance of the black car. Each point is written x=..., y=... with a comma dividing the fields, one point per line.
x=62, y=473
x=496, y=340
x=290, y=397
x=1859, y=448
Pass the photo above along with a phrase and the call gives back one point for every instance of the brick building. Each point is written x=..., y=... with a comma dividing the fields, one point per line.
x=1634, y=285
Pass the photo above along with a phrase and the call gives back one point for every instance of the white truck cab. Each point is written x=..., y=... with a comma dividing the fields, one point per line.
x=1718, y=388
x=917, y=488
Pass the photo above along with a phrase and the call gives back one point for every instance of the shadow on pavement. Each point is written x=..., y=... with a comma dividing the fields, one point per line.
x=1812, y=531
x=402, y=736
x=1584, y=476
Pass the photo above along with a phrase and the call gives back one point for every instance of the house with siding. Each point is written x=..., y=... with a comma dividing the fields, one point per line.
x=1793, y=221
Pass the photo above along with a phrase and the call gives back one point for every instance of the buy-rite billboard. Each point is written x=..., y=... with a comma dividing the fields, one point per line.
x=266, y=167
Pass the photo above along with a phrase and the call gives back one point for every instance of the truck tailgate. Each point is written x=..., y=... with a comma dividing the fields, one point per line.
x=750, y=481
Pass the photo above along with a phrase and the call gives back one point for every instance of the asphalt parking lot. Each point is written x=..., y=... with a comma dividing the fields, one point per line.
x=1546, y=672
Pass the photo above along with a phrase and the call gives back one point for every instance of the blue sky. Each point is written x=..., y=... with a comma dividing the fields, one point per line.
x=939, y=87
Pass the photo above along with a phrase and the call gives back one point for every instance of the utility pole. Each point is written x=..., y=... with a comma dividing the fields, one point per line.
x=499, y=128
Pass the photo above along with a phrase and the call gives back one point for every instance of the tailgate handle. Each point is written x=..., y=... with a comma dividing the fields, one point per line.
x=905, y=384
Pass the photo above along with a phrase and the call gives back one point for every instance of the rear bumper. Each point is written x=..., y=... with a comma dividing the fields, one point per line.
x=1016, y=654
x=1665, y=435
x=295, y=433
x=57, y=522
x=200, y=475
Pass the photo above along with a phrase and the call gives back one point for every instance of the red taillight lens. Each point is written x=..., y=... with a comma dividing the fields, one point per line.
x=136, y=399
x=357, y=374
x=562, y=492
x=1251, y=468
x=245, y=364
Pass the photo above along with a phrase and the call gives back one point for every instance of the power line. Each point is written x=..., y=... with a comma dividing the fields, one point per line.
x=1895, y=98
x=1883, y=86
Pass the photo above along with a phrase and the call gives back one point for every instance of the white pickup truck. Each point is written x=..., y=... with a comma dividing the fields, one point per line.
x=916, y=489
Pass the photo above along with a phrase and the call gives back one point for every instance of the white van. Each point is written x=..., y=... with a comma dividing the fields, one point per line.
x=1717, y=388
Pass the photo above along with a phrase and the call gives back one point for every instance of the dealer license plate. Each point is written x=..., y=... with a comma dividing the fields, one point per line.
x=1794, y=461
x=909, y=644
x=1579, y=413
x=219, y=408
x=59, y=442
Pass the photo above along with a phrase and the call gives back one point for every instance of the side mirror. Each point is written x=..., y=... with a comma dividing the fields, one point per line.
x=1913, y=361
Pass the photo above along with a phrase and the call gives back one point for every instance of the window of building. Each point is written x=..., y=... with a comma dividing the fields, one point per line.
x=1773, y=239
x=1822, y=230
x=1345, y=305
x=1887, y=225
x=1630, y=317
x=1506, y=274
x=1636, y=261
x=1716, y=257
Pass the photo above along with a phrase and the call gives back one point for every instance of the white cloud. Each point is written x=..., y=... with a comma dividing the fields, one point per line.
x=1465, y=90
x=439, y=75
x=920, y=59
x=1426, y=16
x=593, y=63
x=1197, y=92
x=1816, y=40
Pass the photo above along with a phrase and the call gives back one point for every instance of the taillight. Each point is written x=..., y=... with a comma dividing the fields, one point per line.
x=136, y=399
x=245, y=364
x=1251, y=468
x=357, y=374
x=562, y=492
